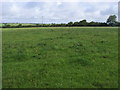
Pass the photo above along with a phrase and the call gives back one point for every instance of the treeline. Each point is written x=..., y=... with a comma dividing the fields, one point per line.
x=70, y=24
x=111, y=21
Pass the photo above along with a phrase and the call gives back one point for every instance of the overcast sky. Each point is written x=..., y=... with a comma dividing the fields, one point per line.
x=57, y=12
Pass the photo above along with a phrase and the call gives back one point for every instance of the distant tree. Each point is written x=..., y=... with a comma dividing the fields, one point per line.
x=76, y=24
x=112, y=20
x=37, y=25
x=19, y=25
x=70, y=23
x=83, y=23
x=6, y=25
x=102, y=24
x=118, y=23
x=92, y=23
x=63, y=24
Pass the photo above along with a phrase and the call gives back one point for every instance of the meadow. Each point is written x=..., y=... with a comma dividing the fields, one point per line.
x=16, y=25
x=60, y=57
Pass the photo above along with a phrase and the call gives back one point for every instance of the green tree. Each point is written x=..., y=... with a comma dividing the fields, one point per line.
x=6, y=25
x=112, y=20
x=92, y=23
x=37, y=24
x=83, y=23
x=76, y=24
x=19, y=25
x=70, y=23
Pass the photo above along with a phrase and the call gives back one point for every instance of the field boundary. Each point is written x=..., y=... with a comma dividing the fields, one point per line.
x=56, y=27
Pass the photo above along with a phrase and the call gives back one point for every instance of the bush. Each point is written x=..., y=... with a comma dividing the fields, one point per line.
x=6, y=25
x=19, y=25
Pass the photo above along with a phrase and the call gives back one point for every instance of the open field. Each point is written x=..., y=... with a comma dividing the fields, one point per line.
x=60, y=57
x=16, y=24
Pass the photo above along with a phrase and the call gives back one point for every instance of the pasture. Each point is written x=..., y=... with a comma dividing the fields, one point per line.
x=60, y=57
x=16, y=24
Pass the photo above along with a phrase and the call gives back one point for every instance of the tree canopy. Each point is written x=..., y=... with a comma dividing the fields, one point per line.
x=112, y=20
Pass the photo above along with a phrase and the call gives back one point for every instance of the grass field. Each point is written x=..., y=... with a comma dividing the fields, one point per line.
x=16, y=24
x=60, y=57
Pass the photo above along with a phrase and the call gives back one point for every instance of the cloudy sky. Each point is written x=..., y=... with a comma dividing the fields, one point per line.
x=57, y=12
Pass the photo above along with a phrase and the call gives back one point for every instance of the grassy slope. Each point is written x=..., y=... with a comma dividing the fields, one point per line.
x=60, y=57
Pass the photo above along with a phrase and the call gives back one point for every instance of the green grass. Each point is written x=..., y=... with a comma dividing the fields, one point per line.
x=1, y=24
x=60, y=57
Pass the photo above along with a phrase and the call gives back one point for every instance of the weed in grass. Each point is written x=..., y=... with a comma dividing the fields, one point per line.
x=103, y=41
x=80, y=61
x=41, y=44
x=98, y=85
x=104, y=56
